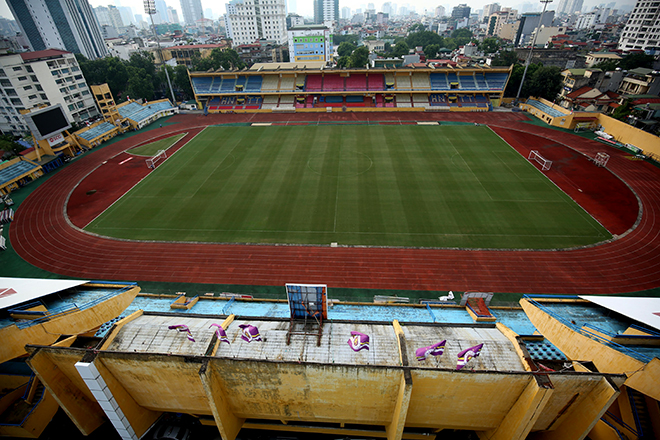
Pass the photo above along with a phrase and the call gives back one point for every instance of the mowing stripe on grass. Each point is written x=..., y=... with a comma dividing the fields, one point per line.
x=378, y=185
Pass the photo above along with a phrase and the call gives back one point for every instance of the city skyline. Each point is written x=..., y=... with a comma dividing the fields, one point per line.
x=306, y=9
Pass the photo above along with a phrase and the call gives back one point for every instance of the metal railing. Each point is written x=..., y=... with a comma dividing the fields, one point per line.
x=69, y=308
x=583, y=331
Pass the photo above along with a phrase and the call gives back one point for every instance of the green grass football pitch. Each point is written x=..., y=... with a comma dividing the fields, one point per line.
x=379, y=185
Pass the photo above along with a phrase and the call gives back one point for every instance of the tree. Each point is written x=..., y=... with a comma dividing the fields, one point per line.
x=182, y=81
x=359, y=57
x=7, y=144
x=621, y=113
x=635, y=60
x=346, y=48
x=401, y=49
x=607, y=65
x=431, y=51
x=424, y=38
x=417, y=27
x=338, y=39
x=116, y=76
x=450, y=43
x=462, y=36
x=343, y=61
x=490, y=45
x=505, y=58
x=140, y=84
x=545, y=82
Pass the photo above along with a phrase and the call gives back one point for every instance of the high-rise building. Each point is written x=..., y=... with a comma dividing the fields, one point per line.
x=568, y=7
x=44, y=77
x=102, y=16
x=326, y=10
x=126, y=15
x=440, y=11
x=62, y=24
x=387, y=8
x=490, y=10
x=529, y=22
x=172, y=15
x=460, y=11
x=115, y=17
x=642, y=31
x=345, y=13
x=192, y=11
x=247, y=21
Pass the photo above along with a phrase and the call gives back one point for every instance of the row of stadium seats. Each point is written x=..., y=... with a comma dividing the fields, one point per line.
x=545, y=108
x=96, y=131
x=16, y=170
x=336, y=83
x=381, y=100
x=227, y=85
x=452, y=81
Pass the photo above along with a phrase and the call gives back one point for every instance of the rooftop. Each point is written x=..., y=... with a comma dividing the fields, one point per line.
x=40, y=54
x=149, y=333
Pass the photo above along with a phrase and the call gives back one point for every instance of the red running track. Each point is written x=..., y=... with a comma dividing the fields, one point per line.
x=43, y=235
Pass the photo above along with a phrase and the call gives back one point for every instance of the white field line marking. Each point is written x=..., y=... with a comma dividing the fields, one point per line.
x=140, y=181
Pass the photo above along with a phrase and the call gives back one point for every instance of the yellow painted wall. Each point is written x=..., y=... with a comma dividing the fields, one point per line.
x=577, y=346
x=160, y=383
x=441, y=397
x=15, y=339
x=627, y=134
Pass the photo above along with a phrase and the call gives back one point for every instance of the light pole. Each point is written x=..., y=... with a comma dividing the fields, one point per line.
x=150, y=9
x=531, y=49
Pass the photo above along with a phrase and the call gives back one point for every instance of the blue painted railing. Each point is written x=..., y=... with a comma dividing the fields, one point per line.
x=583, y=331
x=428, y=307
x=73, y=307
x=225, y=309
x=34, y=406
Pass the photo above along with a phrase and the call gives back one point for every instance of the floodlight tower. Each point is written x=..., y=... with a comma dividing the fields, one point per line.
x=531, y=49
x=150, y=9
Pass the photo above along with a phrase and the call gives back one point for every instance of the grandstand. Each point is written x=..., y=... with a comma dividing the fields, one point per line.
x=140, y=115
x=96, y=134
x=272, y=87
x=16, y=173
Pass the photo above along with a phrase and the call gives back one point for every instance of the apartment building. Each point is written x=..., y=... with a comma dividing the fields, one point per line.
x=250, y=20
x=46, y=77
x=642, y=31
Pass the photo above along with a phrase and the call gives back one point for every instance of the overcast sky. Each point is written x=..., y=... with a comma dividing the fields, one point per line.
x=305, y=7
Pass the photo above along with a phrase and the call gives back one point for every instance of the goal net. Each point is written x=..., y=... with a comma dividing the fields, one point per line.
x=152, y=161
x=545, y=163
x=601, y=159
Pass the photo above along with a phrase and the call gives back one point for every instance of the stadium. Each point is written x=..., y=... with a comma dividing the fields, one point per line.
x=55, y=227
x=366, y=202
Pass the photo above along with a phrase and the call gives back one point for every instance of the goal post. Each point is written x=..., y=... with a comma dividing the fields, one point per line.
x=151, y=162
x=545, y=163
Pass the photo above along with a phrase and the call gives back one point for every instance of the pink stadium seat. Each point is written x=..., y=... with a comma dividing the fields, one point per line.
x=356, y=82
x=333, y=83
x=314, y=83
x=376, y=81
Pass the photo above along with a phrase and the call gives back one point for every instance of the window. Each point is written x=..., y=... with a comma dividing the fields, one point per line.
x=33, y=78
x=32, y=97
x=17, y=68
x=27, y=88
x=22, y=78
x=16, y=101
x=29, y=69
x=55, y=72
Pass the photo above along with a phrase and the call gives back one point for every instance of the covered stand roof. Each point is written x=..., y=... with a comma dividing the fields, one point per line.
x=643, y=309
x=18, y=290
